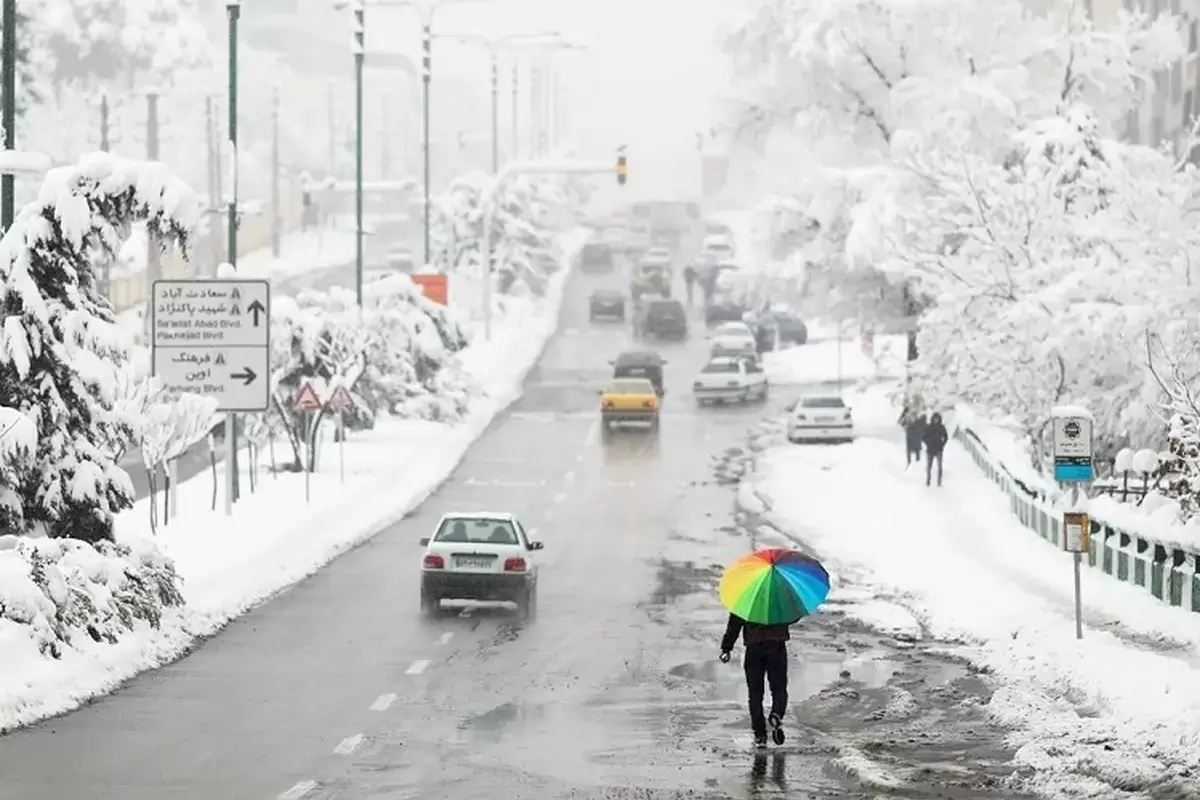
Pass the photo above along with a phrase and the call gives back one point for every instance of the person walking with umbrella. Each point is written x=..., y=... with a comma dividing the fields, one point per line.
x=912, y=419
x=935, y=436
x=766, y=592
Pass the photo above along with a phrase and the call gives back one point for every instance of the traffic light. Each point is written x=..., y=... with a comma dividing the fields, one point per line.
x=622, y=170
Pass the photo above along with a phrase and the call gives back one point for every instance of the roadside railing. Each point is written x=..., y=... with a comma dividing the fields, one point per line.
x=1169, y=572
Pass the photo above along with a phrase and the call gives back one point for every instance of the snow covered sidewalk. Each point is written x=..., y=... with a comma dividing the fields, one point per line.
x=274, y=538
x=1121, y=708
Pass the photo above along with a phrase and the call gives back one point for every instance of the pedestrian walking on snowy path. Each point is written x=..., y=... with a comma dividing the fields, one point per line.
x=914, y=424
x=935, y=444
x=765, y=663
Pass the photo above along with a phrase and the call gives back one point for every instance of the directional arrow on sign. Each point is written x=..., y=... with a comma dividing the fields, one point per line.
x=257, y=309
x=247, y=376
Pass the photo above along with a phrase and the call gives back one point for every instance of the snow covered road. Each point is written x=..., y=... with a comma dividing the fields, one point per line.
x=338, y=688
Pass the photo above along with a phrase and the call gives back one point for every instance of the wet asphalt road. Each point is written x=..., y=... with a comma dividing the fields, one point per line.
x=199, y=457
x=339, y=688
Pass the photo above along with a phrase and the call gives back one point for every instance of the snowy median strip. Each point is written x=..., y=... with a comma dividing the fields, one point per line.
x=1119, y=708
x=228, y=565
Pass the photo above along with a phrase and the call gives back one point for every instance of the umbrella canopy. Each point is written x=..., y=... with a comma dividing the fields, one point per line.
x=774, y=586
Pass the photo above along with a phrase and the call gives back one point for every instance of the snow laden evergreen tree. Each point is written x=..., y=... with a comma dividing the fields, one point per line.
x=60, y=349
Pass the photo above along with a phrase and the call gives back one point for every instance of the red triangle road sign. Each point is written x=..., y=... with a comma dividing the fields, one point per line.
x=306, y=398
x=340, y=400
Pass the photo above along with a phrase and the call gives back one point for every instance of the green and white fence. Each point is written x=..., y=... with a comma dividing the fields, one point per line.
x=1168, y=572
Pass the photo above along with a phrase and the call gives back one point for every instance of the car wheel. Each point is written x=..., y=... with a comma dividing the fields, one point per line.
x=744, y=398
x=654, y=424
x=766, y=392
x=431, y=604
x=527, y=604
x=794, y=440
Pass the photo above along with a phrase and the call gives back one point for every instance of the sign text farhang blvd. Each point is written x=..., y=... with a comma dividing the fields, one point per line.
x=213, y=338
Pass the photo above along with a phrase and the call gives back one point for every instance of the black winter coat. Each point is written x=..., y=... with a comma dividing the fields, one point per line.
x=752, y=633
x=935, y=437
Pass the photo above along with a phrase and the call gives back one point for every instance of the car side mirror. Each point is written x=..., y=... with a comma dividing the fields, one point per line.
x=536, y=546
x=425, y=541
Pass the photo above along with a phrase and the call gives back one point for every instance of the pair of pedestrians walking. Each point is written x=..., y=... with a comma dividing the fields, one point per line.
x=931, y=433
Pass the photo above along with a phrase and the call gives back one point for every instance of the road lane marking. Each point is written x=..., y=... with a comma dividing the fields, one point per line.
x=558, y=498
x=417, y=667
x=299, y=790
x=445, y=637
x=592, y=433
x=569, y=478
x=383, y=701
x=348, y=745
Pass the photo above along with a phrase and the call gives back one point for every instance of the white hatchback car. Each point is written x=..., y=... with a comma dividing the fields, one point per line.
x=732, y=339
x=820, y=418
x=482, y=556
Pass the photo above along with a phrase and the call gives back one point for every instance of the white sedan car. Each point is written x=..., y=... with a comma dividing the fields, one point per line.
x=732, y=339
x=481, y=556
x=726, y=380
x=820, y=418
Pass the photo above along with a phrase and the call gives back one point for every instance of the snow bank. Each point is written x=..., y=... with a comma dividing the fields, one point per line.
x=227, y=565
x=1119, y=708
x=817, y=361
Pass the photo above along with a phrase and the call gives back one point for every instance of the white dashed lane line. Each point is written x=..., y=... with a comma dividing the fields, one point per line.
x=348, y=745
x=417, y=667
x=383, y=702
x=445, y=637
x=298, y=791
x=558, y=498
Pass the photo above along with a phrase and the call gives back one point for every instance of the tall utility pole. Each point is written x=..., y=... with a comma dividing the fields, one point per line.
x=232, y=489
x=216, y=190
x=495, y=112
x=153, y=255
x=426, y=79
x=516, y=112
x=104, y=124
x=359, y=59
x=8, y=66
x=535, y=117
x=385, y=133
x=332, y=130
x=275, y=210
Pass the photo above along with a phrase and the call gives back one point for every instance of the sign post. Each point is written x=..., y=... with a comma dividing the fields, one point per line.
x=307, y=401
x=213, y=338
x=340, y=402
x=1072, y=441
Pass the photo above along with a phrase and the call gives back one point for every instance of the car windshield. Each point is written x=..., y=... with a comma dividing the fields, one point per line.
x=732, y=329
x=720, y=367
x=671, y=310
x=822, y=402
x=476, y=530
x=630, y=386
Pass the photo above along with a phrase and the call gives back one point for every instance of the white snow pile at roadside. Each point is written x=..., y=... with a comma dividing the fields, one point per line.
x=228, y=564
x=817, y=361
x=1121, y=708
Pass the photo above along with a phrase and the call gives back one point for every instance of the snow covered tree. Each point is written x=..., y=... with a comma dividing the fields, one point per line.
x=60, y=349
x=172, y=424
x=120, y=42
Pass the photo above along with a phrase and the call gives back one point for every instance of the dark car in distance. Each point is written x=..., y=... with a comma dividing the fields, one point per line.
x=596, y=257
x=723, y=309
x=607, y=303
x=665, y=319
x=641, y=364
x=791, y=328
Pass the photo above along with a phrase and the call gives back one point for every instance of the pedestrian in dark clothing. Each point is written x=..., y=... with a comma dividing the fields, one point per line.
x=764, y=337
x=935, y=444
x=689, y=281
x=766, y=658
x=914, y=424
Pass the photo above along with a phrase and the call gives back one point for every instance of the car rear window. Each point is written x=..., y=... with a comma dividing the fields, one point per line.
x=667, y=310
x=476, y=530
x=732, y=330
x=720, y=367
x=630, y=386
x=822, y=402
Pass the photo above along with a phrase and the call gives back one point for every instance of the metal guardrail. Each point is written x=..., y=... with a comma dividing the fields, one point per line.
x=1168, y=572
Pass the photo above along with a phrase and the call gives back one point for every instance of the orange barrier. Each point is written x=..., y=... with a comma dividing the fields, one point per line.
x=436, y=287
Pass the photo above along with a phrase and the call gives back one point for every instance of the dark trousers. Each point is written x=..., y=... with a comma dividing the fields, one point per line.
x=930, y=457
x=769, y=661
x=914, y=454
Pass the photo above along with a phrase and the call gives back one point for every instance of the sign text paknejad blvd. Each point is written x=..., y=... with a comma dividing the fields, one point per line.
x=214, y=338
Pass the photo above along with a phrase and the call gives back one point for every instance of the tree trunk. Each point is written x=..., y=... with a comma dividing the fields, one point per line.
x=212, y=462
x=271, y=446
x=153, y=499
x=296, y=438
x=253, y=450
x=166, y=517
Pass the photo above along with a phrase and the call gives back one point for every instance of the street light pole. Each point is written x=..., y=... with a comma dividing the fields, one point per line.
x=426, y=80
x=359, y=58
x=232, y=489
x=8, y=65
x=495, y=112
x=516, y=112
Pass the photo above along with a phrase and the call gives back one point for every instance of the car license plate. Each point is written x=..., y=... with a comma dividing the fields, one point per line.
x=635, y=372
x=824, y=419
x=473, y=562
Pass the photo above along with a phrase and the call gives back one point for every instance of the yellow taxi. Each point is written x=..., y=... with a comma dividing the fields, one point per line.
x=629, y=400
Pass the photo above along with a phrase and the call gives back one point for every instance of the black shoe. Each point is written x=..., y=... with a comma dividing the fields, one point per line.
x=760, y=740
x=776, y=724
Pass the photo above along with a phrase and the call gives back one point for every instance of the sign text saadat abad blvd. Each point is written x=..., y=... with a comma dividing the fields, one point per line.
x=213, y=338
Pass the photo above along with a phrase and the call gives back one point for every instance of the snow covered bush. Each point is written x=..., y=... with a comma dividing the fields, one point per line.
x=395, y=356
x=60, y=349
x=172, y=423
x=527, y=216
x=63, y=593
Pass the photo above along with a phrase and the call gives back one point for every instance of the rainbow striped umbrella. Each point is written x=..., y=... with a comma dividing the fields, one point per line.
x=774, y=586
